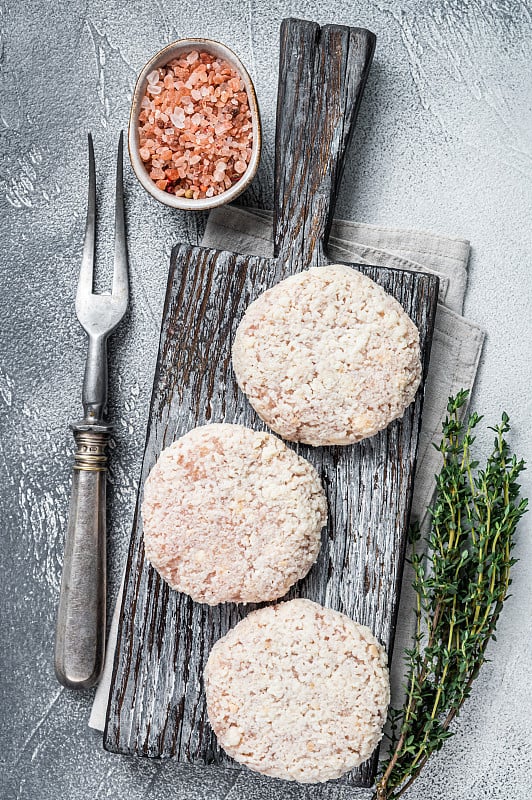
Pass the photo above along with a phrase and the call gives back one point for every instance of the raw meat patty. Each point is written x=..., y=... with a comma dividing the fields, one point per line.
x=327, y=357
x=298, y=691
x=232, y=515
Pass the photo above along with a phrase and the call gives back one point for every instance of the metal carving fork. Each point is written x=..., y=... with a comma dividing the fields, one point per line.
x=80, y=633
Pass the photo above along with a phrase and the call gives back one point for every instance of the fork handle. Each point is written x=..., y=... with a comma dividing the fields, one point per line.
x=94, y=395
x=80, y=632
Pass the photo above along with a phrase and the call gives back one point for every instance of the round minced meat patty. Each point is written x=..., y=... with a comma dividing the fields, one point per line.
x=232, y=515
x=298, y=691
x=327, y=357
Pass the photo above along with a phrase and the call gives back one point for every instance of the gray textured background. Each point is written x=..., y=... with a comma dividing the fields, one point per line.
x=443, y=142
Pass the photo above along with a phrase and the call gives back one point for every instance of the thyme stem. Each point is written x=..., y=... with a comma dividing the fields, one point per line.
x=459, y=599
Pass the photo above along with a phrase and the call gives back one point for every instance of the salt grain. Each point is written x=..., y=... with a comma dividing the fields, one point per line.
x=205, y=100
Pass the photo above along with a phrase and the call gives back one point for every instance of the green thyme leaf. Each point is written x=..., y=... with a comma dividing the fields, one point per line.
x=461, y=586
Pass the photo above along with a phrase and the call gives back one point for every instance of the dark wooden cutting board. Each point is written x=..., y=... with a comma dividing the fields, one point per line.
x=157, y=705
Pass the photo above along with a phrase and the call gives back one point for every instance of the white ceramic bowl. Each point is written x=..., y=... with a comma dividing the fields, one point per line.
x=160, y=59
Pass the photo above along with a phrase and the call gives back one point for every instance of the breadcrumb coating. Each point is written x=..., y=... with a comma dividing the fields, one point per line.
x=327, y=357
x=232, y=515
x=298, y=691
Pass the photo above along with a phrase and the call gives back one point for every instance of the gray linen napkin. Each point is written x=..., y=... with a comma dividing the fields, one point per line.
x=456, y=349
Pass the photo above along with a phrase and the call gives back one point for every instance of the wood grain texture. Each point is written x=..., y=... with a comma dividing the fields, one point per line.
x=322, y=75
x=157, y=705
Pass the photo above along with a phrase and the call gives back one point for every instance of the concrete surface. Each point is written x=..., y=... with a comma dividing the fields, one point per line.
x=443, y=143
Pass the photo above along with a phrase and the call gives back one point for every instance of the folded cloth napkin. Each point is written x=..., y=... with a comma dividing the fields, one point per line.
x=456, y=348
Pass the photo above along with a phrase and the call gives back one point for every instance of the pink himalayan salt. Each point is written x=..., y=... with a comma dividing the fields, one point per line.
x=195, y=126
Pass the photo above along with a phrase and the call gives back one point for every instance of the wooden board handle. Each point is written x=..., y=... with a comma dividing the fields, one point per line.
x=322, y=74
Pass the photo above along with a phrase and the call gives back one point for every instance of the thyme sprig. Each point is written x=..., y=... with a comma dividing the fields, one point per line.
x=460, y=588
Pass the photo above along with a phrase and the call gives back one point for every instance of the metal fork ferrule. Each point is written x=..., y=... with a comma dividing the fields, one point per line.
x=90, y=454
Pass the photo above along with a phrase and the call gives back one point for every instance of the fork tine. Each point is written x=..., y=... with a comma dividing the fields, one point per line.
x=87, y=261
x=120, y=276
